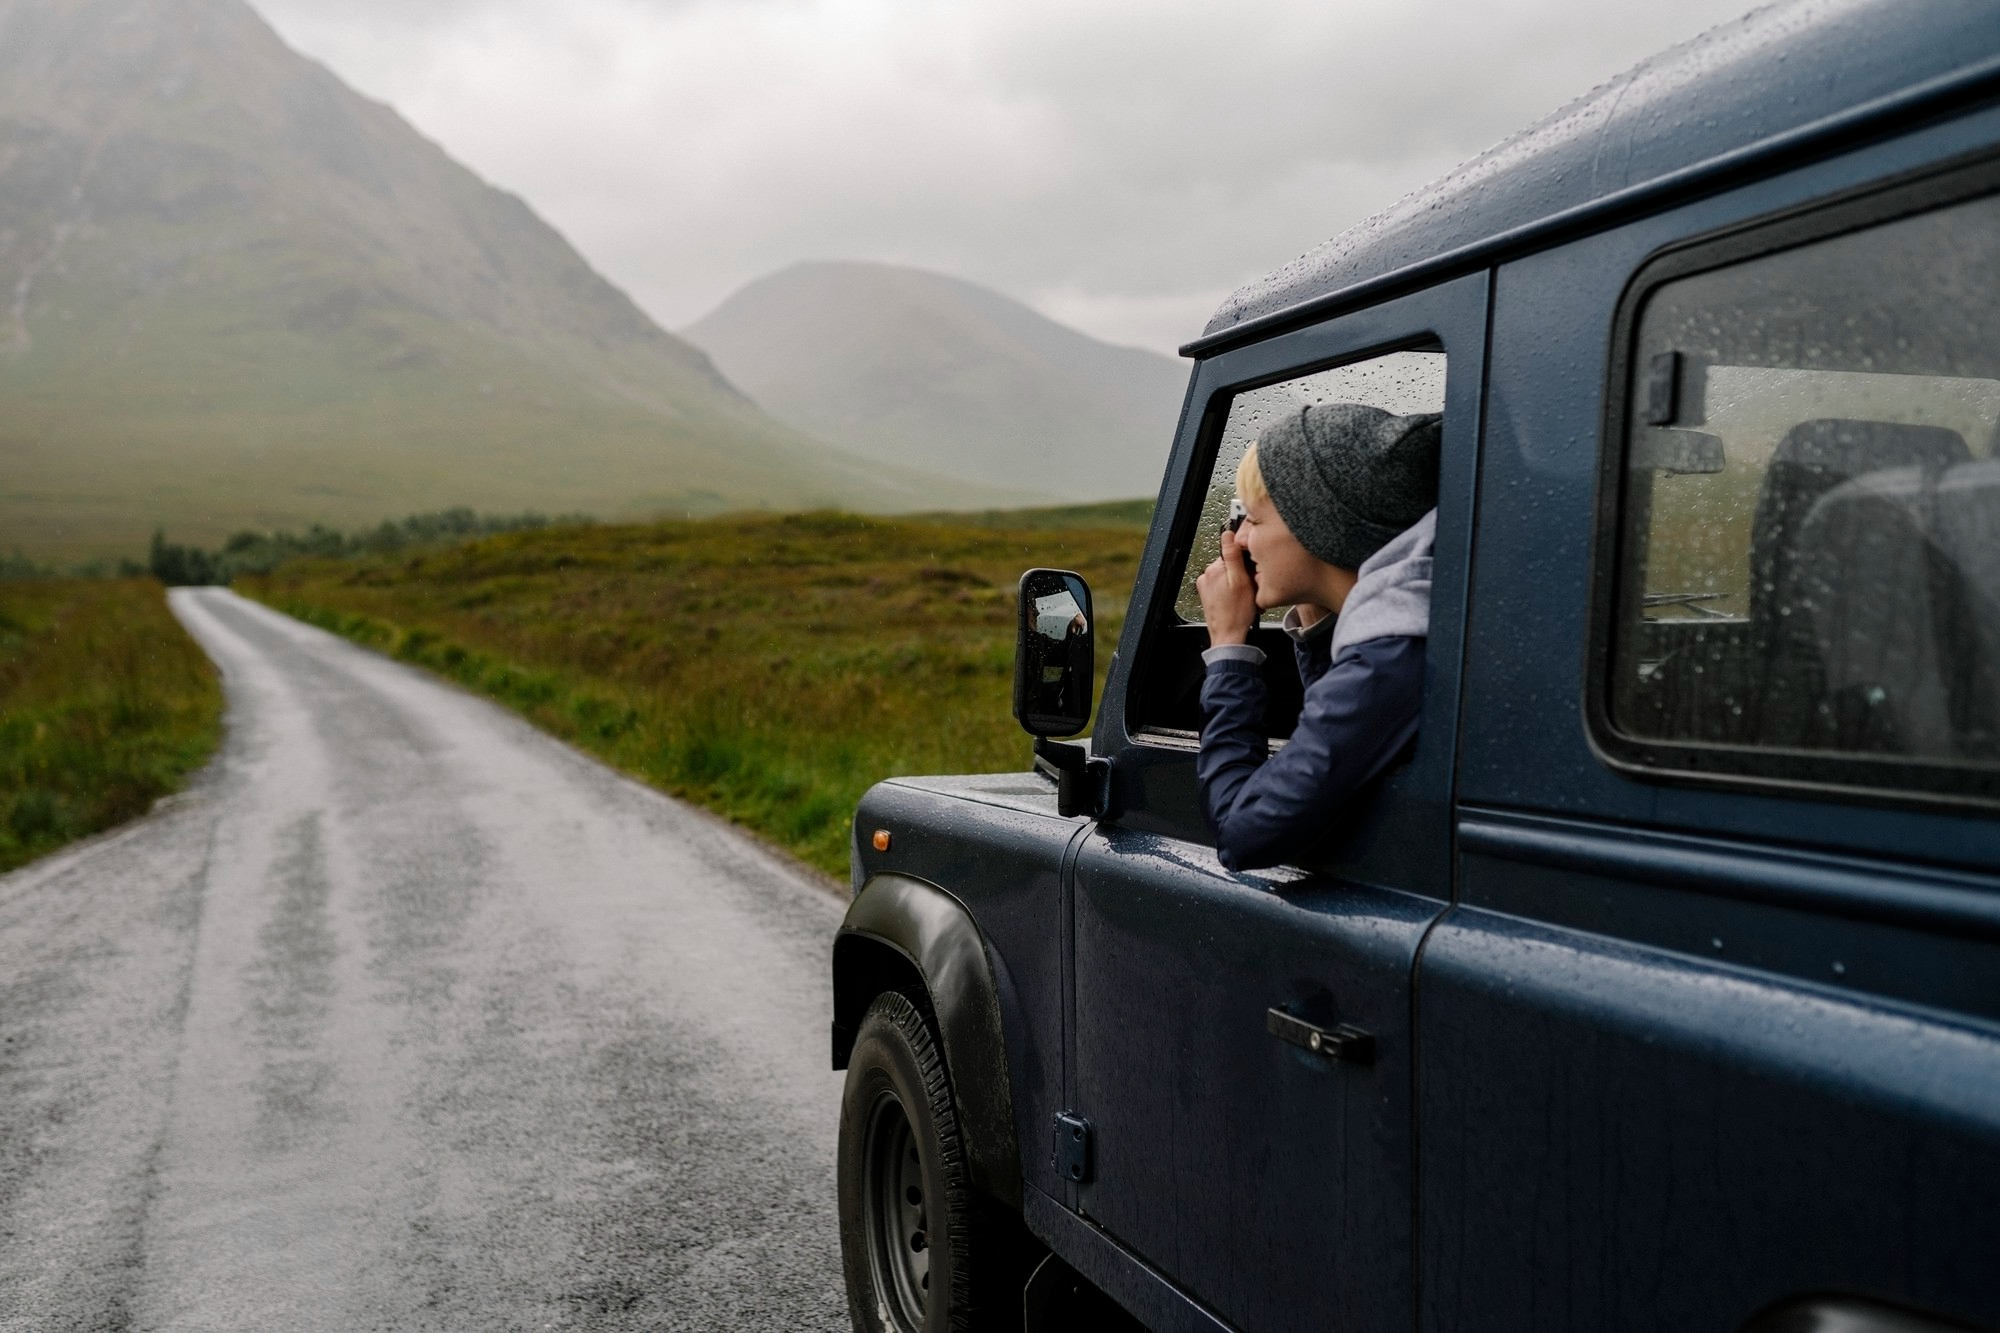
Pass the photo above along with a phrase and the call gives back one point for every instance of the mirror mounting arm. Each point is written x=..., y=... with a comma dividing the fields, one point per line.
x=1083, y=781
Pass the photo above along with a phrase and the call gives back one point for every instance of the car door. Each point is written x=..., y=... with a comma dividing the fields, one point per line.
x=1269, y=1182
x=1715, y=1028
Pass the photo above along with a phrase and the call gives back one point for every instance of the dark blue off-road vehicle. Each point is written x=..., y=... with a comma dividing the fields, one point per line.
x=1659, y=986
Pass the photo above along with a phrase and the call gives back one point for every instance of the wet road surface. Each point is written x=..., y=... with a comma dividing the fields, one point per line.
x=409, y=1017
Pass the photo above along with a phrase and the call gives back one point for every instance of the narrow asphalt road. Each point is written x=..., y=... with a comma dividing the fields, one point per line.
x=409, y=1017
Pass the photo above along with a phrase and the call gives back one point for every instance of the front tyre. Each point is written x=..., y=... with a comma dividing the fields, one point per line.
x=911, y=1227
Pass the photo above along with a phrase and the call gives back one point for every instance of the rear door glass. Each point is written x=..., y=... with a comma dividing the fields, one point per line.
x=1810, y=544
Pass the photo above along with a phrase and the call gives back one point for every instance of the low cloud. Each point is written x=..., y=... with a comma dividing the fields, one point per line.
x=1122, y=165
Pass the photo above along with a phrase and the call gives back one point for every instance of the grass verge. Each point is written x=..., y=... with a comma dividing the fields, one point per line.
x=769, y=668
x=106, y=705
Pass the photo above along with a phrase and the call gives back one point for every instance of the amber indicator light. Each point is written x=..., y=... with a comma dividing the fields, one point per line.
x=881, y=840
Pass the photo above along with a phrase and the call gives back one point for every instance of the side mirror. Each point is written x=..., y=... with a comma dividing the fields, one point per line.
x=1055, y=655
x=1055, y=672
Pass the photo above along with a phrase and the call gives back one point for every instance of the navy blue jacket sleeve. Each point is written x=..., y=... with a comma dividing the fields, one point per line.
x=1359, y=714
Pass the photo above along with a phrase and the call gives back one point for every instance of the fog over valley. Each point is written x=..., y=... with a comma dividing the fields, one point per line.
x=1119, y=165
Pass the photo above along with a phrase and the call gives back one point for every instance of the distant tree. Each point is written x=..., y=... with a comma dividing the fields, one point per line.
x=179, y=566
x=18, y=566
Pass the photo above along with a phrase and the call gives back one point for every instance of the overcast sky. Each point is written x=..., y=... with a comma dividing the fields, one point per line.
x=1119, y=164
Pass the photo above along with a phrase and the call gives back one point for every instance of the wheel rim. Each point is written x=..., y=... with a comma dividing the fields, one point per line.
x=898, y=1215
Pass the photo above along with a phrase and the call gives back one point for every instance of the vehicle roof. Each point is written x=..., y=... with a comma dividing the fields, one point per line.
x=1775, y=72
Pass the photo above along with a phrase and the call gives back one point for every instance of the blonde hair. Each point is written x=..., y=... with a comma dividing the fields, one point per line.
x=1250, y=477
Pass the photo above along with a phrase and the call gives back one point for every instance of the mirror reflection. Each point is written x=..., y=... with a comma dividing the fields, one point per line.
x=1058, y=616
x=1054, y=654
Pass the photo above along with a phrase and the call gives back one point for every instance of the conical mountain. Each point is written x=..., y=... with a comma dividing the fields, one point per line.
x=238, y=294
x=922, y=370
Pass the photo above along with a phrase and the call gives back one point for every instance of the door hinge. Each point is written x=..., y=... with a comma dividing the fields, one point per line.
x=1343, y=1041
x=1083, y=781
x=1072, y=1154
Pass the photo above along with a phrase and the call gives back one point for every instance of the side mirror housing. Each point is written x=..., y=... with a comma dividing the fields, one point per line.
x=1055, y=656
x=1055, y=674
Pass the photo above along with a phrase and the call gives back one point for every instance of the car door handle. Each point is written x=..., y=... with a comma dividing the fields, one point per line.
x=1343, y=1041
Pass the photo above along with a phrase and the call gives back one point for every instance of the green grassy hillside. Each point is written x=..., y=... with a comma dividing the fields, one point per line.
x=105, y=705
x=771, y=668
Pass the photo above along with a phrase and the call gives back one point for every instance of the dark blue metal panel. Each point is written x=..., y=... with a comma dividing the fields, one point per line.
x=1791, y=79
x=1617, y=1136
x=1858, y=928
x=996, y=844
x=1271, y=1183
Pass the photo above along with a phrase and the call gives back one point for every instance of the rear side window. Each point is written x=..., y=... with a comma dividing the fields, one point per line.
x=1808, y=517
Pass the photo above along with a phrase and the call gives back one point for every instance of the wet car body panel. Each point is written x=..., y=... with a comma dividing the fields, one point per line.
x=996, y=847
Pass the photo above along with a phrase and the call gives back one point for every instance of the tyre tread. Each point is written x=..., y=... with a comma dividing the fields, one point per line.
x=980, y=1243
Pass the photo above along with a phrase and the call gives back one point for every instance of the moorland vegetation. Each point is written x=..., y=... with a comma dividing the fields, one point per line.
x=106, y=705
x=771, y=668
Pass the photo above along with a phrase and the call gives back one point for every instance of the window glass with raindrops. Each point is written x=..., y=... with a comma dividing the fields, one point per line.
x=1810, y=545
x=1400, y=382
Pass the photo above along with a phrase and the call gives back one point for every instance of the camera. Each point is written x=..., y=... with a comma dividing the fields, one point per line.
x=1237, y=513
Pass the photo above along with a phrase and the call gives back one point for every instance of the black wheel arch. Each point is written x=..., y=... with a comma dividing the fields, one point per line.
x=906, y=934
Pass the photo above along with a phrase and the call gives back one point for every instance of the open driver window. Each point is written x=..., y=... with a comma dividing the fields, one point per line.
x=1167, y=705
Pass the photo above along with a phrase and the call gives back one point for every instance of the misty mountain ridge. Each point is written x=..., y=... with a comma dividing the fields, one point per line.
x=922, y=370
x=242, y=295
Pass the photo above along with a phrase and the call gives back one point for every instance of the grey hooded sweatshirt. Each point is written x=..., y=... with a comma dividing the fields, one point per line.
x=1364, y=677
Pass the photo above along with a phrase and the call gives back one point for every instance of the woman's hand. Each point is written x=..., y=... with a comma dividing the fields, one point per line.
x=1228, y=595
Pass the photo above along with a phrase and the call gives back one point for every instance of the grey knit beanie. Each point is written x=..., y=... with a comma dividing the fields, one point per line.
x=1348, y=478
